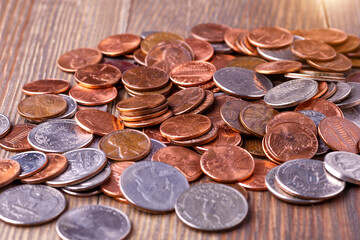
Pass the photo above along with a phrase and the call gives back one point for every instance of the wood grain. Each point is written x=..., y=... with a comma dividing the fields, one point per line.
x=34, y=33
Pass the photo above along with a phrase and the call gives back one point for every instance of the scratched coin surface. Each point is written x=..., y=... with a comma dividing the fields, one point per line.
x=93, y=222
x=48, y=86
x=16, y=139
x=82, y=164
x=230, y=112
x=4, y=125
x=59, y=136
x=186, y=100
x=210, y=32
x=112, y=186
x=307, y=178
x=97, y=76
x=248, y=62
x=78, y=58
x=71, y=107
x=211, y=207
x=321, y=105
x=93, y=97
x=153, y=186
x=30, y=162
x=202, y=50
x=119, y=44
x=353, y=99
x=29, y=205
x=9, y=171
x=270, y=37
x=342, y=91
x=203, y=139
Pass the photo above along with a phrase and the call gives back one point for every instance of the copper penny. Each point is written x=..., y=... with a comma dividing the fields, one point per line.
x=9, y=171
x=278, y=67
x=247, y=62
x=255, y=118
x=154, y=132
x=227, y=163
x=163, y=91
x=254, y=146
x=221, y=60
x=186, y=100
x=243, y=43
x=256, y=181
x=122, y=65
x=230, y=112
x=340, y=134
x=112, y=186
x=355, y=53
x=321, y=105
x=153, y=39
x=313, y=50
x=119, y=44
x=149, y=122
x=139, y=56
x=267, y=153
x=57, y=164
x=41, y=107
x=93, y=97
x=78, y=58
x=339, y=64
x=289, y=141
x=143, y=117
x=322, y=89
x=140, y=113
x=16, y=139
x=125, y=145
x=183, y=159
x=214, y=112
x=202, y=50
x=210, y=32
x=355, y=62
x=353, y=77
x=206, y=104
x=203, y=139
x=270, y=37
x=140, y=103
x=145, y=79
x=50, y=86
x=328, y=35
x=182, y=44
x=231, y=36
x=97, y=76
x=351, y=44
x=331, y=89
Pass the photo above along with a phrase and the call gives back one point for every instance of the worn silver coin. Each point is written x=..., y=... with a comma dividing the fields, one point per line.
x=4, y=125
x=307, y=178
x=28, y=205
x=82, y=165
x=280, y=54
x=353, y=99
x=221, y=48
x=342, y=91
x=211, y=207
x=59, y=135
x=93, y=222
x=353, y=114
x=242, y=82
x=88, y=193
x=71, y=107
x=153, y=186
x=99, y=107
x=30, y=162
x=155, y=145
x=291, y=93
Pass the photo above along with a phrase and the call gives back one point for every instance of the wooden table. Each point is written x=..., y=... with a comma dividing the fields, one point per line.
x=34, y=33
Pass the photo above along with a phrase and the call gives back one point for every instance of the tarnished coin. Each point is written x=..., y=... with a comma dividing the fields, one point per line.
x=71, y=107
x=16, y=140
x=154, y=132
x=307, y=178
x=82, y=164
x=338, y=64
x=270, y=37
x=155, y=145
x=254, y=146
x=97, y=76
x=125, y=145
x=78, y=58
x=206, y=104
x=278, y=67
x=280, y=54
x=247, y=62
x=60, y=135
x=353, y=99
x=93, y=97
x=230, y=112
x=140, y=103
x=210, y=32
x=43, y=86
x=186, y=100
x=221, y=60
x=139, y=57
x=342, y=91
x=331, y=36
x=153, y=186
x=102, y=222
x=30, y=162
x=313, y=50
x=203, y=139
x=112, y=186
x=321, y=105
x=4, y=125
x=9, y=171
x=211, y=207
x=88, y=193
x=29, y=205
x=157, y=37
x=119, y=44
x=242, y=82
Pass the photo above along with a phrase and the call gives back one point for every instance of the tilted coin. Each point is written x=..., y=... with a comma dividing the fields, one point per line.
x=278, y=67
x=203, y=139
x=71, y=107
x=202, y=50
x=270, y=37
x=339, y=64
x=29, y=205
x=9, y=171
x=353, y=99
x=331, y=90
x=247, y=62
x=331, y=36
x=210, y=32
x=230, y=38
x=313, y=50
x=102, y=222
x=244, y=44
x=153, y=186
x=253, y=146
x=155, y=145
x=355, y=62
x=87, y=193
x=230, y=112
x=206, y=104
x=139, y=57
x=123, y=65
x=353, y=77
x=221, y=60
x=49, y=86
x=93, y=97
x=164, y=91
x=147, y=122
x=119, y=44
x=140, y=103
x=144, y=34
x=211, y=207
x=157, y=37
x=186, y=100
x=4, y=125
x=353, y=114
x=351, y=44
x=214, y=112
x=321, y=105
x=103, y=107
x=77, y=58
x=221, y=48
x=111, y=187
x=315, y=77
x=16, y=139
x=342, y=91
x=30, y=162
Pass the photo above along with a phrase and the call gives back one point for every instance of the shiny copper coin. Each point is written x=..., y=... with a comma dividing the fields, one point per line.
x=112, y=186
x=206, y=104
x=322, y=89
x=210, y=32
x=328, y=35
x=154, y=132
x=254, y=146
x=221, y=60
x=313, y=50
x=321, y=105
x=57, y=164
x=353, y=77
x=231, y=36
x=145, y=79
x=247, y=62
x=119, y=44
x=44, y=106
x=267, y=153
x=16, y=139
x=50, y=86
x=143, y=117
x=153, y=39
x=183, y=159
x=149, y=122
x=186, y=100
x=140, y=103
x=230, y=112
x=139, y=57
x=78, y=58
x=163, y=91
x=202, y=50
x=255, y=118
x=256, y=181
x=351, y=44
x=203, y=139
x=9, y=171
x=278, y=67
x=244, y=44
x=125, y=145
x=97, y=122
x=237, y=186
x=214, y=112
x=227, y=163
x=339, y=64
x=270, y=37
x=355, y=53
x=97, y=76
x=340, y=134
x=331, y=89
x=93, y=97
x=139, y=113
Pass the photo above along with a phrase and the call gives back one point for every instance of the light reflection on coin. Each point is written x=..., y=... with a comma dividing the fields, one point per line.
x=30, y=162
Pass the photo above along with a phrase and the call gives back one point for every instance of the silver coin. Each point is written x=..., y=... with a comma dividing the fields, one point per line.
x=59, y=135
x=281, y=54
x=307, y=178
x=314, y=77
x=71, y=107
x=343, y=165
x=242, y=82
x=153, y=186
x=144, y=34
x=4, y=125
x=274, y=188
x=93, y=182
x=342, y=91
x=211, y=207
x=291, y=93
x=82, y=165
x=99, y=107
x=353, y=114
x=28, y=205
x=353, y=99
x=93, y=222
x=221, y=48
x=88, y=193
x=30, y=162
x=155, y=145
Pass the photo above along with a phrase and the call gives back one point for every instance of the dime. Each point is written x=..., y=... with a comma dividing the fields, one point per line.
x=329, y=35
x=230, y=112
x=186, y=100
x=4, y=125
x=253, y=146
x=60, y=135
x=211, y=207
x=140, y=103
x=153, y=186
x=338, y=64
x=203, y=139
x=230, y=38
x=139, y=57
x=210, y=32
x=155, y=145
x=43, y=86
x=247, y=62
x=278, y=67
x=78, y=58
x=93, y=97
x=97, y=76
x=89, y=193
x=111, y=187
x=270, y=37
x=16, y=139
x=342, y=91
x=321, y=105
x=206, y=104
x=313, y=50
x=119, y=44
x=9, y=171
x=157, y=37
x=102, y=222
x=221, y=60
x=30, y=162
x=71, y=107
x=353, y=99
x=29, y=205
